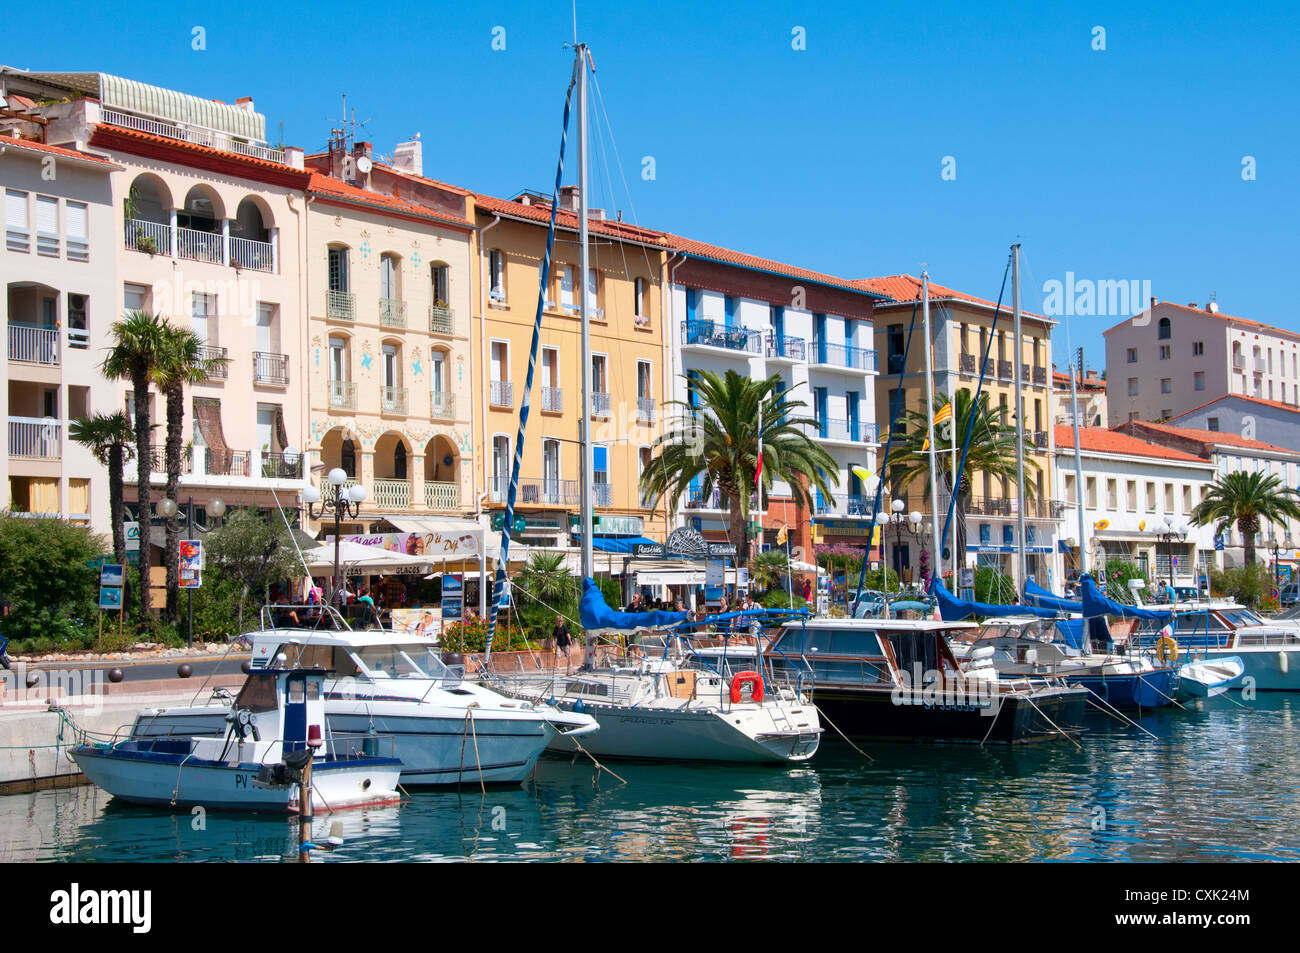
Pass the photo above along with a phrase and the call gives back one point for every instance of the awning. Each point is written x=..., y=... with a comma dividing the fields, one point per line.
x=671, y=577
x=614, y=544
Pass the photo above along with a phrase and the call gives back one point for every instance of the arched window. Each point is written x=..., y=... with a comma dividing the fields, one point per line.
x=399, y=461
x=1164, y=330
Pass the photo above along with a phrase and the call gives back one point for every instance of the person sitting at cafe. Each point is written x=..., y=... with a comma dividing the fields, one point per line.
x=369, y=614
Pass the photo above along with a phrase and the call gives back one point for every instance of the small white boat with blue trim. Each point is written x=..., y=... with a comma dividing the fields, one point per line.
x=1210, y=677
x=275, y=730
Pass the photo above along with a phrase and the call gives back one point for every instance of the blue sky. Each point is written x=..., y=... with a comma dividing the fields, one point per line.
x=1117, y=164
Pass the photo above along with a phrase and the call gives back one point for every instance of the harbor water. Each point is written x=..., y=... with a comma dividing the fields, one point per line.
x=1217, y=782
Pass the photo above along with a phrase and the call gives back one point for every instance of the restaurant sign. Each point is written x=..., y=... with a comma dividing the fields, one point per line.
x=437, y=545
x=684, y=543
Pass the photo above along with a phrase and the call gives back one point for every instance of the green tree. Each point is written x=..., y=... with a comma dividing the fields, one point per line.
x=992, y=451
x=544, y=587
x=717, y=440
x=139, y=341
x=253, y=552
x=770, y=570
x=1248, y=501
x=50, y=586
x=183, y=361
x=108, y=436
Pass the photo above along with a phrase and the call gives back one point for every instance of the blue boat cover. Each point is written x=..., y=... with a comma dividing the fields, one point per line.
x=1039, y=596
x=1095, y=604
x=596, y=614
x=1071, y=631
x=953, y=609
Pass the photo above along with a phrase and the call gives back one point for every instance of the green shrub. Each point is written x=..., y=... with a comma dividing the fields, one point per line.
x=994, y=587
x=1249, y=585
x=52, y=591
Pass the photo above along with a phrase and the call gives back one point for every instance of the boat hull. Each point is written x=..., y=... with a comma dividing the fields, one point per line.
x=1268, y=669
x=1009, y=718
x=1150, y=689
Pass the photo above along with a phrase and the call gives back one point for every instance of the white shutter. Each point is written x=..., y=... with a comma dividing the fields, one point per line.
x=76, y=212
x=15, y=209
x=47, y=215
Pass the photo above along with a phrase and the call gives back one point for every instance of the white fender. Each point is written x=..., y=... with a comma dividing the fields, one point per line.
x=1283, y=662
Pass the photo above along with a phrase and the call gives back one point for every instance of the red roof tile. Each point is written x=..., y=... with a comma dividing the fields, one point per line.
x=567, y=219
x=53, y=150
x=717, y=253
x=1209, y=436
x=394, y=170
x=1228, y=318
x=905, y=288
x=121, y=132
x=1062, y=380
x=1101, y=440
x=329, y=187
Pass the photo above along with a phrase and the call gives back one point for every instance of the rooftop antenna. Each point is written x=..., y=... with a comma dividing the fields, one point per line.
x=348, y=131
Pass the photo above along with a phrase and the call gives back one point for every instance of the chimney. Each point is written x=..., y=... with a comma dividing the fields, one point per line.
x=1154, y=301
x=338, y=152
x=1192, y=305
x=569, y=197
x=293, y=157
x=246, y=103
x=409, y=156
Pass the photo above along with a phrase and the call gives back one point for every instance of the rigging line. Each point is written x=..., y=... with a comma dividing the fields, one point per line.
x=508, y=523
x=974, y=408
x=880, y=482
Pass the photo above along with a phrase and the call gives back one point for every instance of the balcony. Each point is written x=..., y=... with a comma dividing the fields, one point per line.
x=1004, y=370
x=442, y=405
x=856, y=359
x=246, y=253
x=1238, y=362
x=442, y=496
x=779, y=347
x=851, y=504
x=966, y=363
x=696, y=500
x=195, y=245
x=197, y=134
x=35, y=438
x=503, y=394
x=1040, y=439
x=392, y=494
x=152, y=238
x=600, y=404
x=1034, y=509
x=392, y=400
x=341, y=306
x=343, y=395
x=235, y=463
x=645, y=409
x=33, y=345
x=846, y=430
x=602, y=494
x=269, y=368
x=711, y=334
x=553, y=400
x=392, y=312
x=1261, y=365
x=548, y=491
x=442, y=320
x=279, y=466
x=217, y=372
x=158, y=459
x=1040, y=375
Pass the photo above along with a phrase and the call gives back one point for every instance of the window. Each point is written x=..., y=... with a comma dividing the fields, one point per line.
x=388, y=269
x=643, y=464
x=1212, y=424
x=1151, y=498
x=1070, y=489
x=1198, y=380
x=1187, y=499
x=1198, y=348
x=1164, y=330
x=1166, y=385
x=78, y=329
x=1169, y=497
x=599, y=386
x=338, y=270
x=497, y=275
x=644, y=380
x=338, y=368
x=135, y=297
x=203, y=312
x=1132, y=355
x=593, y=294
x=47, y=226
x=640, y=302
x=1112, y=494
x=78, y=234
x=1091, y=490
x=551, y=471
x=1131, y=496
x=897, y=344
x=441, y=276
x=566, y=288
x=17, y=236
x=500, y=466
x=1132, y=386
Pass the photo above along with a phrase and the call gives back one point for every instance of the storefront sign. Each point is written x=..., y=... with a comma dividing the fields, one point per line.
x=685, y=543
x=438, y=545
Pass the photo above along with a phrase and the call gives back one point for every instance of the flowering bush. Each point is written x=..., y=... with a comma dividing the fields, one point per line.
x=470, y=635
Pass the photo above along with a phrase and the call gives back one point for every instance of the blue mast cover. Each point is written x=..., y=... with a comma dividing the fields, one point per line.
x=1095, y=604
x=596, y=614
x=1041, y=597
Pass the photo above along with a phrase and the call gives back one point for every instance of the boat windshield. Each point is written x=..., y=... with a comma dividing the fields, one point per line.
x=1240, y=617
x=1033, y=631
x=389, y=661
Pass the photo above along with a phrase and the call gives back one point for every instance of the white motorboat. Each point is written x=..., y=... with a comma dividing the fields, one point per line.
x=1210, y=677
x=447, y=730
x=1215, y=629
x=274, y=729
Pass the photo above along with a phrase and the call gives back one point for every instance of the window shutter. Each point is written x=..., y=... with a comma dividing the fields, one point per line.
x=76, y=212
x=47, y=215
x=15, y=209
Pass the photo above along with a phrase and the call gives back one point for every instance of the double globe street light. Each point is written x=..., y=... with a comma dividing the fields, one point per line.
x=901, y=522
x=342, y=501
x=1166, y=532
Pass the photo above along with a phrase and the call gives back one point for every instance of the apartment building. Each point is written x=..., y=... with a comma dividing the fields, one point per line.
x=813, y=331
x=964, y=330
x=1089, y=390
x=629, y=368
x=1171, y=358
x=388, y=357
x=1247, y=417
x=1131, y=487
x=60, y=298
x=1231, y=453
x=209, y=234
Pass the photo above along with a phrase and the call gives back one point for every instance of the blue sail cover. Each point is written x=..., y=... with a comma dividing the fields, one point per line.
x=596, y=614
x=1070, y=630
x=1041, y=597
x=953, y=609
x=1095, y=604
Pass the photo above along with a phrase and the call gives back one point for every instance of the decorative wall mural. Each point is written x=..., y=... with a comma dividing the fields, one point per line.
x=416, y=369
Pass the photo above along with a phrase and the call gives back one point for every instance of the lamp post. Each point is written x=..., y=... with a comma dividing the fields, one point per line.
x=1278, y=546
x=1166, y=533
x=341, y=501
x=167, y=508
x=901, y=522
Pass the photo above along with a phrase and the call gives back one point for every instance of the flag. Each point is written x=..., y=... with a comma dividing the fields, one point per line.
x=782, y=535
x=944, y=414
x=758, y=467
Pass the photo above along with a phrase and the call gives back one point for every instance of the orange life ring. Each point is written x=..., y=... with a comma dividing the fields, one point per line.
x=738, y=682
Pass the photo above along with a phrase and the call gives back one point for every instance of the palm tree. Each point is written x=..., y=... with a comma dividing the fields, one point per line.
x=992, y=451
x=717, y=442
x=183, y=361
x=108, y=436
x=1247, y=500
x=139, y=343
x=548, y=589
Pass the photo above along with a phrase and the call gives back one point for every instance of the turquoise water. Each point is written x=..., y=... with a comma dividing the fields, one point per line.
x=1217, y=783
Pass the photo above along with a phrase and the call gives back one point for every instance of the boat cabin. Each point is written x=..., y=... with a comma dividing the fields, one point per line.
x=868, y=653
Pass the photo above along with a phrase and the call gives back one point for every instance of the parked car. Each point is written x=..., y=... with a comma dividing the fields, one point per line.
x=1289, y=594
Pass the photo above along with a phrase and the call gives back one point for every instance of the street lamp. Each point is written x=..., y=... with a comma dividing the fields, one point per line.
x=1166, y=533
x=167, y=509
x=901, y=523
x=339, y=499
x=1278, y=546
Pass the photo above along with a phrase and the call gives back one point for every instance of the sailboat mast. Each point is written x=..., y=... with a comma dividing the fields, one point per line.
x=1078, y=468
x=935, y=529
x=584, y=429
x=1020, y=420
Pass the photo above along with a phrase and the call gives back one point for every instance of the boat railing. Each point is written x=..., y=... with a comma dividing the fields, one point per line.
x=318, y=615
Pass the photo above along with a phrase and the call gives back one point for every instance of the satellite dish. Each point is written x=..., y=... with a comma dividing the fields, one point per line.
x=1102, y=524
x=363, y=165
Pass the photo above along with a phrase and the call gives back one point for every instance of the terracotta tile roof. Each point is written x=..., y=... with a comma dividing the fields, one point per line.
x=329, y=187
x=717, y=253
x=52, y=150
x=402, y=173
x=1062, y=380
x=105, y=130
x=906, y=288
x=1277, y=405
x=1101, y=440
x=568, y=220
x=1208, y=436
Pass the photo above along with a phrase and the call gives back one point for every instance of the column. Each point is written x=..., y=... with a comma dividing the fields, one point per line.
x=415, y=467
x=225, y=241
x=175, y=250
x=275, y=250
